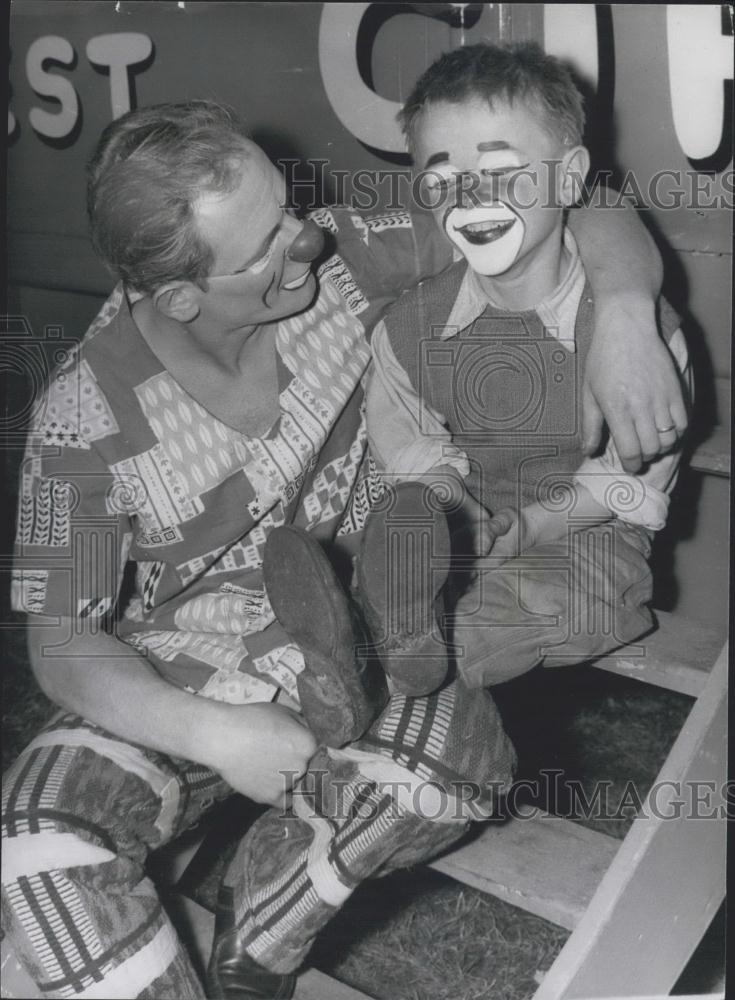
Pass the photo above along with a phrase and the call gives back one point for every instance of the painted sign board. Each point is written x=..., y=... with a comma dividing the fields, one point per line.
x=323, y=81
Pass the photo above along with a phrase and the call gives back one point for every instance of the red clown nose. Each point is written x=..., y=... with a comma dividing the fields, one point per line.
x=308, y=244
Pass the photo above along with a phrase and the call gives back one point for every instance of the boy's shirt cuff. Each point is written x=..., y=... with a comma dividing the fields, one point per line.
x=407, y=437
x=626, y=496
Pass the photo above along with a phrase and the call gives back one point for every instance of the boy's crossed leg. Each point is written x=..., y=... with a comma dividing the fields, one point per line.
x=559, y=603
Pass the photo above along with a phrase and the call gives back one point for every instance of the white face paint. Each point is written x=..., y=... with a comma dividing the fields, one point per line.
x=486, y=230
x=489, y=237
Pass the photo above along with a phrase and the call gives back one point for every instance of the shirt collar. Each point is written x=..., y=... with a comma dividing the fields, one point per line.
x=558, y=311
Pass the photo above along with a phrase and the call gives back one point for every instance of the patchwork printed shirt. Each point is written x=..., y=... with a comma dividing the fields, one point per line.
x=135, y=499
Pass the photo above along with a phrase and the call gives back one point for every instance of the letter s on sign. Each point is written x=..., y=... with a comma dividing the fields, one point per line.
x=53, y=126
x=369, y=117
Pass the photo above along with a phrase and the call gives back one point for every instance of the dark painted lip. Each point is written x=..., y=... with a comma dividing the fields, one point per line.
x=480, y=238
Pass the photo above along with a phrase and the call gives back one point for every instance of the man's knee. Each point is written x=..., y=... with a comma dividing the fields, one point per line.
x=77, y=782
x=454, y=738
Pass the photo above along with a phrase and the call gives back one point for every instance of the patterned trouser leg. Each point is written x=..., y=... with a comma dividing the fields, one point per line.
x=563, y=602
x=81, y=811
x=400, y=795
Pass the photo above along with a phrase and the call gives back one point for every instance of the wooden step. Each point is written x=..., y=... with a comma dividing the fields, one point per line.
x=713, y=455
x=678, y=655
x=314, y=985
x=668, y=878
x=548, y=866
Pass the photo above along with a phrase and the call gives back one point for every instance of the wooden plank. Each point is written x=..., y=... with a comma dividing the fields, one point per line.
x=195, y=926
x=548, y=866
x=677, y=656
x=713, y=455
x=314, y=985
x=719, y=995
x=668, y=878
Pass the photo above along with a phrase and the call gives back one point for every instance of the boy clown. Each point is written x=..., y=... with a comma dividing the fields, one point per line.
x=477, y=381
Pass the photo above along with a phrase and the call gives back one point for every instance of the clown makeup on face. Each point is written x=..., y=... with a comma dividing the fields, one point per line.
x=494, y=177
x=263, y=254
x=486, y=230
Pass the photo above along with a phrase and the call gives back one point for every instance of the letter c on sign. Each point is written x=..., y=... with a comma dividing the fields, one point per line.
x=369, y=117
x=570, y=32
x=700, y=59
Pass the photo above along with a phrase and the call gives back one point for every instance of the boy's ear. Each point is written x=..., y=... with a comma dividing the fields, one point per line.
x=178, y=300
x=574, y=168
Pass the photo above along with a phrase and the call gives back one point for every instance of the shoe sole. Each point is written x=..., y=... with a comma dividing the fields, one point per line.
x=338, y=700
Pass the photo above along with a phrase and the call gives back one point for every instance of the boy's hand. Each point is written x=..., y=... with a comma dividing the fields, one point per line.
x=476, y=527
x=505, y=527
x=631, y=382
x=484, y=530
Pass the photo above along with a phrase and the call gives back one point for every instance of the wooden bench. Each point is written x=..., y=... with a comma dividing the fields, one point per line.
x=637, y=908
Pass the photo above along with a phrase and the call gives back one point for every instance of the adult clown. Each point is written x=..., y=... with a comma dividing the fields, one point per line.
x=216, y=397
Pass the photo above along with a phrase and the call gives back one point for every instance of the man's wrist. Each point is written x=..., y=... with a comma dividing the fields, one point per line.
x=203, y=725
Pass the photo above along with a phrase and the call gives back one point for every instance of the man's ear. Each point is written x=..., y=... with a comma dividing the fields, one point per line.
x=574, y=168
x=178, y=300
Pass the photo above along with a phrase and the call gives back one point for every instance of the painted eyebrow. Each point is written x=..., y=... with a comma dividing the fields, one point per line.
x=482, y=147
x=263, y=247
x=489, y=147
x=436, y=158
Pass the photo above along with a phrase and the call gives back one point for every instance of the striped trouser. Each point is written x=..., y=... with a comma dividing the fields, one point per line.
x=82, y=810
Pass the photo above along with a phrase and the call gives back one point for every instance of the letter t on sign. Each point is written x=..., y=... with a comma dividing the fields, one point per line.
x=119, y=52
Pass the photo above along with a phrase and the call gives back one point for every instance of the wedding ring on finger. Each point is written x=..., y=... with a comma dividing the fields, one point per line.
x=666, y=430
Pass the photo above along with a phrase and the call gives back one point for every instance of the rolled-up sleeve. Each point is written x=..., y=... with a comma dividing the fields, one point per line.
x=638, y=499
x=407, y=437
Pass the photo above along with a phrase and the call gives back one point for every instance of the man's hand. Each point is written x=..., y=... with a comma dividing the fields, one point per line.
x=631, y=382
x=260, y=750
